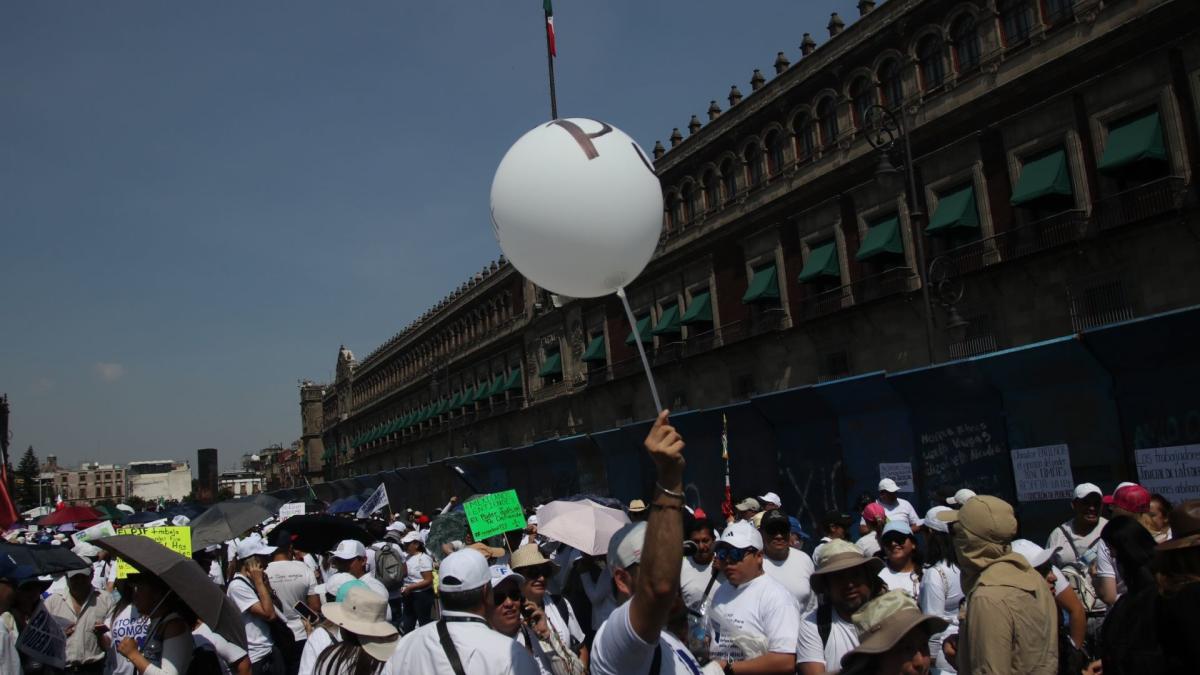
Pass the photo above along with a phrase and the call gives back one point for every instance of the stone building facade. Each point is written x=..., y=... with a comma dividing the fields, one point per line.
x=1054, y=149
x=90, y=483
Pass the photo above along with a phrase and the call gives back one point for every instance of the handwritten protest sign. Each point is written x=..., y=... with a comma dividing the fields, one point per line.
x=1043, y=473
x=178, y=539
x=96, y=531
x=293, y=509
x=43, y=640
x=494, y=514
x=1172, y=472
x=901, y=472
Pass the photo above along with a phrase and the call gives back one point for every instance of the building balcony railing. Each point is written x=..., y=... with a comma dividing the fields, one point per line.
x=700, y=342
x=889, y=282
x=1040, y=235
x=823, y=303
x=1155, y=198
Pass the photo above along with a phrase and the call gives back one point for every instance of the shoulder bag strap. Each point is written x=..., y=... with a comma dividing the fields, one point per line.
x=448, y=647
x=656, y=662
x=711, y=580
x=1071, y=543
x=824, y=622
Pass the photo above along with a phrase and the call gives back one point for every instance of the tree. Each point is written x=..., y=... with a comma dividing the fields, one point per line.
x=28, y=474
x=136, y=503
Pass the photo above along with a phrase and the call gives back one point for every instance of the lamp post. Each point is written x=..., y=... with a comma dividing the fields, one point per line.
x=885, y=130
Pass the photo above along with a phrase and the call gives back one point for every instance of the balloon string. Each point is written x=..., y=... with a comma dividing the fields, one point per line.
x=637, y=338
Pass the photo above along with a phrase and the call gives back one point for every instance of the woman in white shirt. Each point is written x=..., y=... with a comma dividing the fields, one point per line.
x=167, y=649
x=418, y=584
x=941, y=585
x=902, y=561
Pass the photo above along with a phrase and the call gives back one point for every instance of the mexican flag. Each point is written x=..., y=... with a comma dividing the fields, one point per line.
x=549, y=27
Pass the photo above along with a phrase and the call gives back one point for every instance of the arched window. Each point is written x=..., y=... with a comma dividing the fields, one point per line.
x=686, y=211
x=806, y=136
x=861, y=99
x=674, y=212
x=929, y=53
x=712, y=190
x=966, y=43
x=775, y=158
x=1058, y=11
x=1016, y=21
x=754, y=164
x=891, y=87
x=728, y=179
x=695, y=200
x=827, y=119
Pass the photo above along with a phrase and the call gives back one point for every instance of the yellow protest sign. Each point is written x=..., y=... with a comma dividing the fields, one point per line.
x=178, y=539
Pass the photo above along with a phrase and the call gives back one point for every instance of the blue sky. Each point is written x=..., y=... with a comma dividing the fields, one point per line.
x=200, y=202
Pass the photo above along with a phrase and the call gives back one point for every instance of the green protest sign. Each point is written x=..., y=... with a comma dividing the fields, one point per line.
x=494, y=513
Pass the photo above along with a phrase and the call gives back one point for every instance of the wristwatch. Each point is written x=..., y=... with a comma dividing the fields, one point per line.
x=728, y=669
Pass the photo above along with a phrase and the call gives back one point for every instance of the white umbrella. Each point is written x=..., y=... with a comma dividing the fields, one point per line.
x=126, y=508
x=584, y=524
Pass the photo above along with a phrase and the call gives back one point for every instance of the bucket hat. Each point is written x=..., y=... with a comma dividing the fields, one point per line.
x=364, y=613
x=884, y=621
x=840, y=555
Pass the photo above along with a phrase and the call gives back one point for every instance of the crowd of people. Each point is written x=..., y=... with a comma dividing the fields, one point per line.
x=675, y=591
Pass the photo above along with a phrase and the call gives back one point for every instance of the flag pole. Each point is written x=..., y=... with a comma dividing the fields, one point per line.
x=551, y=52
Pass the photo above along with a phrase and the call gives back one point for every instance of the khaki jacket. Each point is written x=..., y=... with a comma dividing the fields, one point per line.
x=1010, y=625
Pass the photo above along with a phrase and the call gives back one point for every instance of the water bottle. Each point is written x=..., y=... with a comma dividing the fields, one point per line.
x=697, y=635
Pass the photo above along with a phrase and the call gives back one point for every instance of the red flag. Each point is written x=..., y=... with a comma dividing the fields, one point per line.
x=8, y=512
x=550, y=27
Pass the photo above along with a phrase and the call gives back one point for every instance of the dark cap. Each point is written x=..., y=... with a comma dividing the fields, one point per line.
x=774, y=518
x=836, y=517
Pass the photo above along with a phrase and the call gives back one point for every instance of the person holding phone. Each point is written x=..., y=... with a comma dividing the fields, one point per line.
x=81, y=609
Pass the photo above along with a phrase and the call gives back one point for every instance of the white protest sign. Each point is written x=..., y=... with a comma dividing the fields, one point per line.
x=292, y=509
x=1172, y=472
x=1043, y=473
x=901, y=472
x=43, y=640
x=376, y=501
x=97, y=531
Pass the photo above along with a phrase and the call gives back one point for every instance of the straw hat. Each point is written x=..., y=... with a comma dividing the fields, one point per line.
x=529, y=556
x=884, y=621
x=363, y=613
x=839, y=555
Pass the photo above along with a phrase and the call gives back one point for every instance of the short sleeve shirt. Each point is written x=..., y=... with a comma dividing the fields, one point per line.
x=617, y=650
x=292, y=582
x=794, y=572
x=258, y=634
x=420, y=562
x=843, y=638
x=761, y=608
x=902, y=510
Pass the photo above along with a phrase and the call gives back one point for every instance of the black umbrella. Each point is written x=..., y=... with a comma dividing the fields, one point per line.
x=225, y=521
x=318, y=532
x=44, y=558
x=185, y=578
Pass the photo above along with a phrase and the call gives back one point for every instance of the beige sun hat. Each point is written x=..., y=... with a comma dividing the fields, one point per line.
x=838, y=555
x=529, y=556
x=884, y=621
x=364, y=613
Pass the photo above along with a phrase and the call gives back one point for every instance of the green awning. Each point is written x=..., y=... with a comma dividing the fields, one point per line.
x=441, y=407
x=822, y=262
x=1132, y=142
x=468, y=397
x=764, y=285
x=700, y=311
x=642, y=330
x=498, y=385
x=954, y=210
x=882, y=238
x=513, y=382
x=1043, y=177
x=595, y=350
x=552, y=366
x=668, y=323
x=456, y=402
x=482, y=391
x=425, y=413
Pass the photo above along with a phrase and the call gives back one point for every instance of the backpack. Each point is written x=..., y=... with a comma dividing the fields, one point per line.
x=389, y=567
x=1079, y=577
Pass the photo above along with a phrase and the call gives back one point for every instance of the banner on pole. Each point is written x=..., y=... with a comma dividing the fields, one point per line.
x=494, y=513
x=293, y=509
x=376, y=501
x=43, y=640
x=178, y=539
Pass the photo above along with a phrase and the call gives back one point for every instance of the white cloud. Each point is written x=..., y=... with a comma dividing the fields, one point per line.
x=109, y=372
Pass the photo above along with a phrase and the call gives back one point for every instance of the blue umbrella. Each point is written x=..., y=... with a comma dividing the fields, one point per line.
x=345, y=505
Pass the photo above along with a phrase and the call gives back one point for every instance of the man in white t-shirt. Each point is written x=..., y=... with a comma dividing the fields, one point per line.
x=350, y=557
x=293, y=582
x=781, y=562
x=894, y=507
x=1077, y=542
x=645, y=633
x=753, y=619
x=251, y=594
x=827, y=634
x=696, y=577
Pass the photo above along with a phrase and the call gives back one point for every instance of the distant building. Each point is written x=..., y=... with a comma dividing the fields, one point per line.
x=206, y=484
x=240, y=483
x=90, y=483
x=159, y=479
x=281, y=467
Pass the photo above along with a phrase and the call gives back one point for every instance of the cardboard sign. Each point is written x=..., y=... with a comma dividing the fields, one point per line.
x=293, y=509
x=494, y=514
x=1043, y=473
x=178, y=539
x=1172, y=472
x=901, y=472
x=97, y=531
x=43, y=640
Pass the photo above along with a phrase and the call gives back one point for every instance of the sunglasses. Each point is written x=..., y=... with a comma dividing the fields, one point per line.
x=540, y=571
x=500, y=596
x=896, y=541
x=733, y=555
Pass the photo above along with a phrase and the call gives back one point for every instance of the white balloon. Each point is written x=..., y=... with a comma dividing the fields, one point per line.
x=577, y=208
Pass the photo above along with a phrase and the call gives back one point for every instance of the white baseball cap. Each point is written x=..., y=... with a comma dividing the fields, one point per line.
x=85, y=550
x=888, y=485
x=349, y=549
x=464, y=570
x=625, y=546
x=742, y=535
x=960, y=497
x=1036, y=555
x=411, y=536
x=933, y=522
x=502, y=572
x=334, y=583
x=771, y=498
x=531, y=520
x=250, y=547
x=1084, y=489
x=397, y=526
